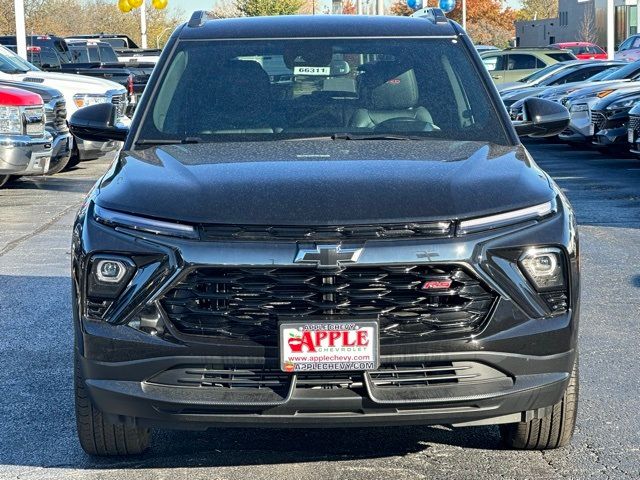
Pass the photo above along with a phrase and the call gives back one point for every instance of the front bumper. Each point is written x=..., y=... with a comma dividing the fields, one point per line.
x=24, y=155
x=527, y=351
x=580, y=129
x=611, y=137
x=60, y=148
x=89, y=150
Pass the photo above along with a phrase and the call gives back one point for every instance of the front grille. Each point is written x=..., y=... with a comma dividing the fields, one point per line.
x=316, y=233
x=634, y=123
x=246, y=303
x=57, y=116
x=388, y=376
x=599, y=120
x=120, y=101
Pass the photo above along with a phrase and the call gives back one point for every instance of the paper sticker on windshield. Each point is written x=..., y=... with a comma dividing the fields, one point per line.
x=321, y=71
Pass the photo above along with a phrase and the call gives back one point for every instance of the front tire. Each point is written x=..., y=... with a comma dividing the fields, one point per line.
x=97, y=435
x=552, y=431
x=4, y=179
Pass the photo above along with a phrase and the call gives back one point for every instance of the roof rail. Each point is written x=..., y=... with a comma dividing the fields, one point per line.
x=198, y=18
x=436, y=15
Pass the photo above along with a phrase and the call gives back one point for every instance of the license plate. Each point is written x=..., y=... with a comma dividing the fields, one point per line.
x=630, y=136
x=328, y=346
x=40, y=160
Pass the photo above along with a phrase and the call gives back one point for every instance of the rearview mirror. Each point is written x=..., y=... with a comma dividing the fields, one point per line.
x=97, y=123
x=541, y=118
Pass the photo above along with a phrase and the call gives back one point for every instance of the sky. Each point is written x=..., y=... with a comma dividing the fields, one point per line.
x=188, y=6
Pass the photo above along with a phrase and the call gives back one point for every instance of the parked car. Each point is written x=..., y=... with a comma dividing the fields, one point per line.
x=513, y=64
x=55, y=122
x=50, y=43
x=226, y=275
x=583, y=50
x=629, y=50
x=610, y=119
x=580, y=104
x=25, y=144
x=573, y=73
x=79, y=91
x=126, y=49
x=633, y=130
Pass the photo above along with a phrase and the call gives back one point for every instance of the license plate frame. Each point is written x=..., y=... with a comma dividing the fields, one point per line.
x=329, y=346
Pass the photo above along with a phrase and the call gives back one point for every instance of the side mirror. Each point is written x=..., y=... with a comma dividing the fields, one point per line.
x=541, y=118
x=97, y=123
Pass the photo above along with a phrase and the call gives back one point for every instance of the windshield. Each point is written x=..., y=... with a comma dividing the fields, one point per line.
x=107, y=55
x=625, y=72
x=605, y=74
x=335, y=88
x=12, y=63
x=542, y=73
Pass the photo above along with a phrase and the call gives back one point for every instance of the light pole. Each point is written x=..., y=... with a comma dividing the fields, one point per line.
x=464, y=15
x=21, y=33
x=610, y=30
x=143, y=23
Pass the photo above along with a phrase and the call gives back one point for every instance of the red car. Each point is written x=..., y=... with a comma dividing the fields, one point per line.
x=583, y=50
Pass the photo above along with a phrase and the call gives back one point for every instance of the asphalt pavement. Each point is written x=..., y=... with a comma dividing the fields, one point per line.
x=37, y=425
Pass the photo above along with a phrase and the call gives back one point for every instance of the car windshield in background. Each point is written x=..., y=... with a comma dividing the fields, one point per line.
x=107, y=55
x=543, y=72
x=333, y=88
x=11, y=63
x=625, y=72
x=561, y=56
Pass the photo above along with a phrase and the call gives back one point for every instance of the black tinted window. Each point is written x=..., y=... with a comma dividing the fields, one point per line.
x=522, y=61
x=561, y=56
x=216, y=90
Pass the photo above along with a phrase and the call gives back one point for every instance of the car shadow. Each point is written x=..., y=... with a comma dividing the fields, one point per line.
x=53, y=183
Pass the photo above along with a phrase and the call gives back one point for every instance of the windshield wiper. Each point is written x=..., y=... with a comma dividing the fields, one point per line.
x=351, y=136
x=166, y=141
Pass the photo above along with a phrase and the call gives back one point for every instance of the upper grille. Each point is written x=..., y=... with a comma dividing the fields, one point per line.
x=57, y=116
x=343, y=232
x=599, y=120
x=34, y=121
x=120, y=101
x=634, y=123
x=246, y=303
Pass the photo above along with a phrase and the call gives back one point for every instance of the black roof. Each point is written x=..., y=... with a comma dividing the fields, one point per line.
x=294, y=26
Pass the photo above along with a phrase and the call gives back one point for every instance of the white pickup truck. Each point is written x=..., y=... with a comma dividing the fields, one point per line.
x=79, y=91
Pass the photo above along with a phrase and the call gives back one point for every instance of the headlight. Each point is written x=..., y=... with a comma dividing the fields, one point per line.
x=86, y=100
x=623, y=103
x=149, y=225
x=579, y=107
x=507, y=218
x=11, y=121
x=543, y=266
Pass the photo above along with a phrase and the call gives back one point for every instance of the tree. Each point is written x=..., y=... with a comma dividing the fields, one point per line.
x=348, y=7
x=255, y=8
x=588, y=31
x=538, y=9
x=400, y=8
x=488, y=21
x=225, y=9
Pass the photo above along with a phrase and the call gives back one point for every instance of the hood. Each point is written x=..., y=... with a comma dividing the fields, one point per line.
x=520, y=93
x=575, y=86
x=71, y=82
x=589, y=88
x=508, y=86
x=45, y=92
x=620, y=94
x=323, y=182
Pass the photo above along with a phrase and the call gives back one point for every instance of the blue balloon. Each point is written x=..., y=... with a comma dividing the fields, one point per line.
x=446, y=5
x=414, y=4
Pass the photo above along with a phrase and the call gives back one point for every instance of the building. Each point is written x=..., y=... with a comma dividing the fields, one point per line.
x=579, y=20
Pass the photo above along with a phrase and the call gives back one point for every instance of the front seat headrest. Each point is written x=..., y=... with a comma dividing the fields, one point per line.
x=390, y=86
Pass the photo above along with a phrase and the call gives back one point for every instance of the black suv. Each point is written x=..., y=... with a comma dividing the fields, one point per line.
x=366, y=244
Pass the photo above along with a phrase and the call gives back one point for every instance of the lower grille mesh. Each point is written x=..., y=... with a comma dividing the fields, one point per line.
x=247, y=303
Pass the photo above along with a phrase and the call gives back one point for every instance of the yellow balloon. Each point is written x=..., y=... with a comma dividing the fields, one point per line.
x=159, y=4
x=135, y=3
x=124, y=6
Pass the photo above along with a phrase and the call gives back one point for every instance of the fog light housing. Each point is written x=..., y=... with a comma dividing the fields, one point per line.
x=544, y=268
x=110, y=271
x=108, y=276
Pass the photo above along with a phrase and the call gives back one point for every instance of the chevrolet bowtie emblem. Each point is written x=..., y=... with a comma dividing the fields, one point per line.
x=328, y=255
